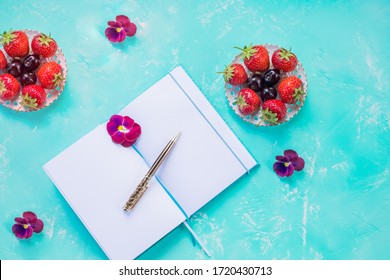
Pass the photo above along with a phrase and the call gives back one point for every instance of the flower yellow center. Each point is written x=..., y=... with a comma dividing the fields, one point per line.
x=118, y=29
x=25, y=226
x=121, y=128
x=286, y=164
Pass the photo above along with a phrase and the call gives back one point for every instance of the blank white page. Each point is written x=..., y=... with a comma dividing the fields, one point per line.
x=207, y=158
x=96, y=177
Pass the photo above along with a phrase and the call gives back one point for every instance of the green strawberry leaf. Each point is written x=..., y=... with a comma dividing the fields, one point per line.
x=8, y=37
x=269, y=116
x=57, y=79
x=285, y=54
x=29, y=102
x=247, y=52
x=45, y=39
x=298, y=94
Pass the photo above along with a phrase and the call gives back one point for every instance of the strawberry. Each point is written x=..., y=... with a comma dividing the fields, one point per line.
x=256, y=58
x=15, y=43
x=290, y=89
x=3, y=60
x=284, y=60
x=33, y=97
x=274, y=110
x=50, y=75
x=44, y=45
x=248, y=102
x=9, y=87
x=234, y=74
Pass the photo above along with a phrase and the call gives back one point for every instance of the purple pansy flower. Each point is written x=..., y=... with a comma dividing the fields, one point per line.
x=25, y=226
x=123, y=130
x=120, y=28
x=286, y=164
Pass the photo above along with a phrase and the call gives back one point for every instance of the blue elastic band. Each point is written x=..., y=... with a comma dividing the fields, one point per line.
x=223, y=140
x=193, y=234
x=165, y=189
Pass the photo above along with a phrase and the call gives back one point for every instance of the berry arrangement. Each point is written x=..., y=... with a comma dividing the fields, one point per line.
x=265, y=84
x=32, y=70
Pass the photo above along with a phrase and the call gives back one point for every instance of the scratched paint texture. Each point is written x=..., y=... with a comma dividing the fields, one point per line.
x=338, y=207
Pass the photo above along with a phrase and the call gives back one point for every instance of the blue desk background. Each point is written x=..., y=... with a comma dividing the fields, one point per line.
x=338, y=207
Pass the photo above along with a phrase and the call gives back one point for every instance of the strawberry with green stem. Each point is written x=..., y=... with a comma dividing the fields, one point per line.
x=33, y=97
x=248, y=102
x=290, y=90
x=284, y=60
x=273, y=111
x=43, y=45
x=256, y=58
x=15, y=43
x=234, y=74
x=9, y=87
x=50, y=75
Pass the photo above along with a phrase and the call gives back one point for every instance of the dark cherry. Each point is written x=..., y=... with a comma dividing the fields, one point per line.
x=271, y=77
x=255, y=82
x=268, y=93
x=15, y=68
x=28, y=79
x=31, y=62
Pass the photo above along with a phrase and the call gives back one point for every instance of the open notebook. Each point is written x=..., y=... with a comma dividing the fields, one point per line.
x=96, y=176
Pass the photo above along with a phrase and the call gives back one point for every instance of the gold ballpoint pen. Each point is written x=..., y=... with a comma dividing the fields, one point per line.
x=143, y=186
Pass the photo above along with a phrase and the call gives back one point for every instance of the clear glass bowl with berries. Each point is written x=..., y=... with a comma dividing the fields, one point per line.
x=265, y=85
x=32, y=70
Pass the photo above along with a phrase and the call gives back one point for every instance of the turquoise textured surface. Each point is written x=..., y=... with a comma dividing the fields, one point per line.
x=338, y=207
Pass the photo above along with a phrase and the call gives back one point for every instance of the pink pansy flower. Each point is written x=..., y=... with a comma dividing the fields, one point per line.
x=120, y=28
x=24, y=227
x=123, y=130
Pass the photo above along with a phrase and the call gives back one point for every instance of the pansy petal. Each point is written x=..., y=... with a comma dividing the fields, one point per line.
x=118, y=137
x=124, y=20
x=134, y=133
x=282, y=170
x=290, y=170
x=114, y=24
x=291, y=154
x=121, y=36
x=112, y=128
x=37, y=226
x=282, y=158
x=298, y=164
x=21, y=220
x=127, y=122
x=30, y=216
x=131, y=29
x=279, y=168
x=128, y=143
x=18, y=230
x=112, y=34
x=29, y=232
x=117, y=119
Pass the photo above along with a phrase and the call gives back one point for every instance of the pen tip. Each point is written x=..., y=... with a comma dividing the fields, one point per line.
x=177, y=136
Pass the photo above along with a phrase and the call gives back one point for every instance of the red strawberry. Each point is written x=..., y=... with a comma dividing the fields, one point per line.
x=290, y=89
x=33, y=97
x=274, y=110
x=15, y=43
x=256, y=58
x=234, y=74
x=9, y=87
x=50, y=75
x=44, y=45
x=248, y=102
x=284, y=60
x=3, y=60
